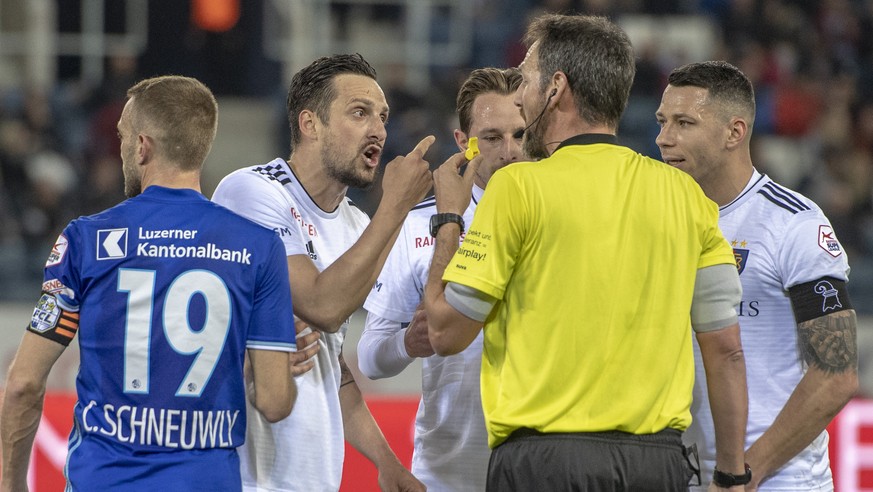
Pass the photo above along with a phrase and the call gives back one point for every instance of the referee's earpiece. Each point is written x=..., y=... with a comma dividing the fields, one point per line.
x=520, y=133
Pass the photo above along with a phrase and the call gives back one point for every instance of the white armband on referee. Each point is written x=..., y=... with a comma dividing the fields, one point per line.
x=468, y=301
x=717, y=293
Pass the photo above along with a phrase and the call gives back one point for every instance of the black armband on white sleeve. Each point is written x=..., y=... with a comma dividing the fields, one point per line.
x=818, y=298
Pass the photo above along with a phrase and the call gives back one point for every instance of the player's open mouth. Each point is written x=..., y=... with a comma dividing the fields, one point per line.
x=674, y=162
x=372, y=154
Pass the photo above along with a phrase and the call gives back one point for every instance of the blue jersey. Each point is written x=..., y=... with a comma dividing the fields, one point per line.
x=166, y=290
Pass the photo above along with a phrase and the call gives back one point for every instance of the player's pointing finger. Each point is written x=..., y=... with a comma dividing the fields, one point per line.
x=423, y=146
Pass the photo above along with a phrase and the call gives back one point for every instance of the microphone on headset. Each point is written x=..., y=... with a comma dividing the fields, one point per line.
x=520, y=133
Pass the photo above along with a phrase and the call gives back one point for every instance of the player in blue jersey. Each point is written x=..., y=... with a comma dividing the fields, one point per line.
x=168, y=293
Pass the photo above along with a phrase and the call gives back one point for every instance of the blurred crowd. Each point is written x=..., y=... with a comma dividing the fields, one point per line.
x=59, y=158
x=811, y=63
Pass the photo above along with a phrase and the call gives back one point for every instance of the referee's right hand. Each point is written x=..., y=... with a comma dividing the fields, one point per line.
x=453, y=190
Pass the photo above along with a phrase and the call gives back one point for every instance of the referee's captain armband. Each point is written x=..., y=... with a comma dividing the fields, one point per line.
x=820, y=297
x=717, y=293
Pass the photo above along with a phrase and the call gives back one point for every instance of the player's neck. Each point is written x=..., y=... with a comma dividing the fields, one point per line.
x=728, y=185
x=171, y=178
x=327, y=193
x=567, y=125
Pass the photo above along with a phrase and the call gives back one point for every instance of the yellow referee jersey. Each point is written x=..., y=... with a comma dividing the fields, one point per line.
x=593, y=254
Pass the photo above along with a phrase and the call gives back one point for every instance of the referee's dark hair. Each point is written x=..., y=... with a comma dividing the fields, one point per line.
x=481, y=81
x=594, y=54
x=313, y=88
x=727, y=85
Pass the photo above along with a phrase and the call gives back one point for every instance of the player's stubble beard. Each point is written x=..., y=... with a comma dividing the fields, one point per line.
x=344, y=170
x=132, y=179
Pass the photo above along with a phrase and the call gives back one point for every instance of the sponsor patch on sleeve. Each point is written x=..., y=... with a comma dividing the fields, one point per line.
x=53, y=286
x=58, y=251
x=827, y=241
x=64, y=295
x=53, y=322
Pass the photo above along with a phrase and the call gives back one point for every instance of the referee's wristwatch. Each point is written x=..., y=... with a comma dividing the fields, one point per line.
x=727, y=480
x=439, y=220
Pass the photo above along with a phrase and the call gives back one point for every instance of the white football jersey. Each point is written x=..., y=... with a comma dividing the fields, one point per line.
x=305, y=451
x=451, y=445
x=780, y=239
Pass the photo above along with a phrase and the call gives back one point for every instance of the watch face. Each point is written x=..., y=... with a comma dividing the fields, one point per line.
x=434, y=225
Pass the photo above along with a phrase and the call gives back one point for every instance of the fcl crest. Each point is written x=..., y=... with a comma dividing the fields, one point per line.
x=45, y=314
x=741, y=256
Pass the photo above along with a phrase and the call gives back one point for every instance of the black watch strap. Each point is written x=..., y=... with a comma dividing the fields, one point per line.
x=439, y=220
x=728, y=480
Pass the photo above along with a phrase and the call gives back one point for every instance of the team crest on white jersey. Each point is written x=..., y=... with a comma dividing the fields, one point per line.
x=58, y=251
x=741, y=256
x=827, y=241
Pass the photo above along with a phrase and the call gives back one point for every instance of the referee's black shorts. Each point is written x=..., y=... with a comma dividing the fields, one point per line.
x=598, y=462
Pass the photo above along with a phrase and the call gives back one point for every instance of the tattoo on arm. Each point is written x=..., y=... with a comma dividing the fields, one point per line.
x=830, y=342
x=346, y=376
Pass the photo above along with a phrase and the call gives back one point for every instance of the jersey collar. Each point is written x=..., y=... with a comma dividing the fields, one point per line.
x=755, y=183
x=162, y=192
x=588, y=139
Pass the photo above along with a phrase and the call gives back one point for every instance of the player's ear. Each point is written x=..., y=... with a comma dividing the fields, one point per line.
x=461, y=140
x=738, y=132
x=145, y=148
x=309, y=123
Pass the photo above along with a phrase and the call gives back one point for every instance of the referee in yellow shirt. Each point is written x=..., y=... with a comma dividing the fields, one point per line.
x=588, y=268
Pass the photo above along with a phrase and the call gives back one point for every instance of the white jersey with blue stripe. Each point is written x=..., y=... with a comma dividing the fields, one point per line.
x=780, y=239
x=451, y=444
x=169, y=290
x=305, y=451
